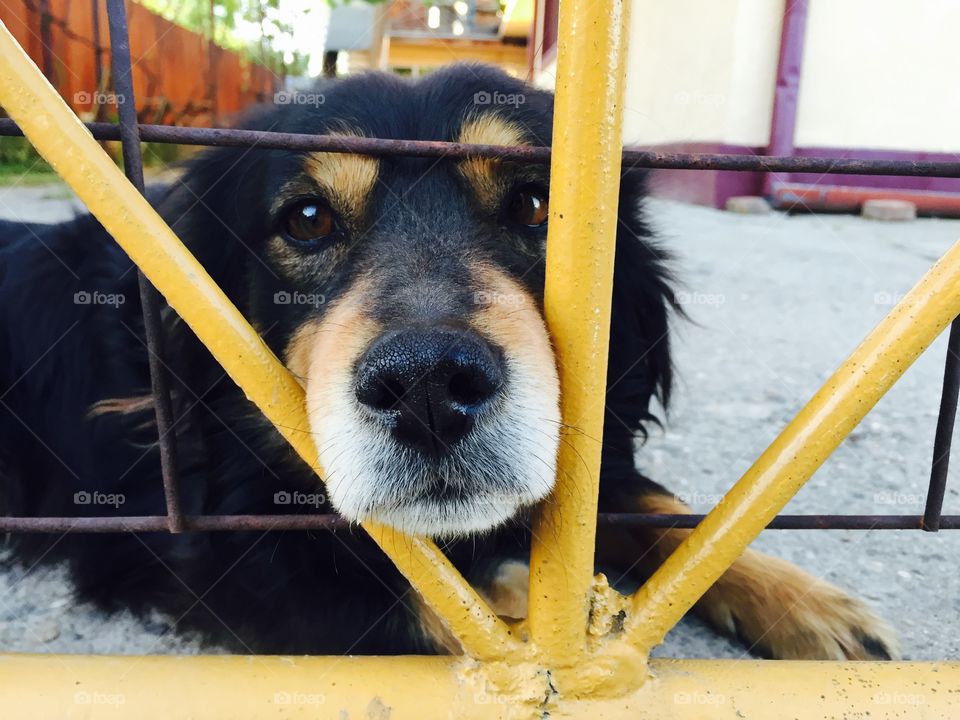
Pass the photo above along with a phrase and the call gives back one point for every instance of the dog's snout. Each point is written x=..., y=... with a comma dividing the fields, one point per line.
x=429, y=385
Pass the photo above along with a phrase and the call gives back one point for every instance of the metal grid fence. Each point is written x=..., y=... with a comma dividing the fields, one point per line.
x=560, y=665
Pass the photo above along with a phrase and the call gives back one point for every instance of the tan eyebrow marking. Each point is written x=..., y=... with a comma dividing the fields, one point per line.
x=348, y=180
x=481, y=173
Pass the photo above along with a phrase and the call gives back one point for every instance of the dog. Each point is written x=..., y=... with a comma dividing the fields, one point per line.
x=405, y=294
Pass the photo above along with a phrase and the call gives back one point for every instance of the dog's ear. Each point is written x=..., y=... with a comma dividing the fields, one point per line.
x=640, y=367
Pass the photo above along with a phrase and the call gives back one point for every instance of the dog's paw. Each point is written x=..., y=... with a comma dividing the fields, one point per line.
x=778, y=611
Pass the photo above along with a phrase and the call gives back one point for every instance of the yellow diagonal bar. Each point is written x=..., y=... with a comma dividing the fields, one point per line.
x=584, y=187
x=63, y=141
x=816, y=431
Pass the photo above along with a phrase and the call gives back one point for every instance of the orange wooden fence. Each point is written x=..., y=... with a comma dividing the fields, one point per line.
x=179, y=77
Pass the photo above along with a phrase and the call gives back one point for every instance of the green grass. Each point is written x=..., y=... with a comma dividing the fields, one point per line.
x=21, y=165
x=27, y=175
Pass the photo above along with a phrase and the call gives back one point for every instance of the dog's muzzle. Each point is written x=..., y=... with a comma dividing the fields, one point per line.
x=429, y=386
x=435, y=428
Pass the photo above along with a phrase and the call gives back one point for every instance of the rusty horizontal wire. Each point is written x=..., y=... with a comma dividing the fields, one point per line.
x=634, y=157
x=208, y=523
x=160, y=523
x=786, y=522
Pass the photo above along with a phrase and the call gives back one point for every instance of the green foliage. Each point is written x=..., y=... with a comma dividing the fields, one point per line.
x=20, y=164
x=18, y=155
x=161, y=154
x=223, y=17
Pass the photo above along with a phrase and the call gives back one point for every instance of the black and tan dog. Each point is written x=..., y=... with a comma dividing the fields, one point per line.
x=405, y=294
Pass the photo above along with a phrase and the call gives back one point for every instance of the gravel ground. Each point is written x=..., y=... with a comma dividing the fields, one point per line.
x=776, y=302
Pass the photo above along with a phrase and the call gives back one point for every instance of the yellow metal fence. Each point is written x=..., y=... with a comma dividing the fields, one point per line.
x=547, y=669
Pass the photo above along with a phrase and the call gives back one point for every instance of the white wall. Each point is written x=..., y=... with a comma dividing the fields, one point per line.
x=701, y=71
x=881, y=74
x=877, y=74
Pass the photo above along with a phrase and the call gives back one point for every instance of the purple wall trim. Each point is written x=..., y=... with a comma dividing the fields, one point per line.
x=713, y=187
x=783, y=122
x=705, y=187
x=879, y=181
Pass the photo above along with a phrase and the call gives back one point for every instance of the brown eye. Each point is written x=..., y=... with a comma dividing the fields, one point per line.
x=308, y=222
x=527, y=207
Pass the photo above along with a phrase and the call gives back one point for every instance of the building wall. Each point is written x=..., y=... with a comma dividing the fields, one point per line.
x=881, y=74
x=701, y=71
x=876, y=74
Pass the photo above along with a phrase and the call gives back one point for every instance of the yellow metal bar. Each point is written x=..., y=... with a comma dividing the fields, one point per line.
x=64, y=142
x=584, y=187
x=423, y=688
x=816, y=431
x=482, y=634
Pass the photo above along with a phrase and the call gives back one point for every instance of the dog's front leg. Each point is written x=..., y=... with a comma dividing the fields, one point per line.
x=773, y=607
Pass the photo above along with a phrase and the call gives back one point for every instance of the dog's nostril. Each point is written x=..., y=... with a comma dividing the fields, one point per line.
x=393, y=392
x=429, y=385
x=381, y=393
x=471, y=388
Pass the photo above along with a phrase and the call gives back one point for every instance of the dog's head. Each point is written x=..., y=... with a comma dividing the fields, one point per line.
x=404, y=293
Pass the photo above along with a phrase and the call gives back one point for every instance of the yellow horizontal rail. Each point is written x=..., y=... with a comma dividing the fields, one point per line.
x=424, y=688
x=584, y=188
x=802, y=447
x=63, y=141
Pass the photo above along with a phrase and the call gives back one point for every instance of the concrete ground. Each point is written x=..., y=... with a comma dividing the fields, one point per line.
x=775, y=302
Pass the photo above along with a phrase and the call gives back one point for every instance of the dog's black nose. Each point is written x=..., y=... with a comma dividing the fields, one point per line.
x=429, y=385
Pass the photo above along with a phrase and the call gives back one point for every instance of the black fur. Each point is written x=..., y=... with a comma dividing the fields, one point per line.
x=278, y=592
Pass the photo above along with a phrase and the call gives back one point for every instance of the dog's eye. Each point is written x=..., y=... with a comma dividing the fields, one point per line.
x=527, y=207
x=308, y=222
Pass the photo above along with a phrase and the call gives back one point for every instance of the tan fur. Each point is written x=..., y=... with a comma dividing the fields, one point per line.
x=767, y=602
x=434, y=628
x=509, y=316
x=287, y=258
x=123, y=406
x=506, y=594
x=346, y=179
x=328, y=350
x=297, y=354
x=482, y=173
